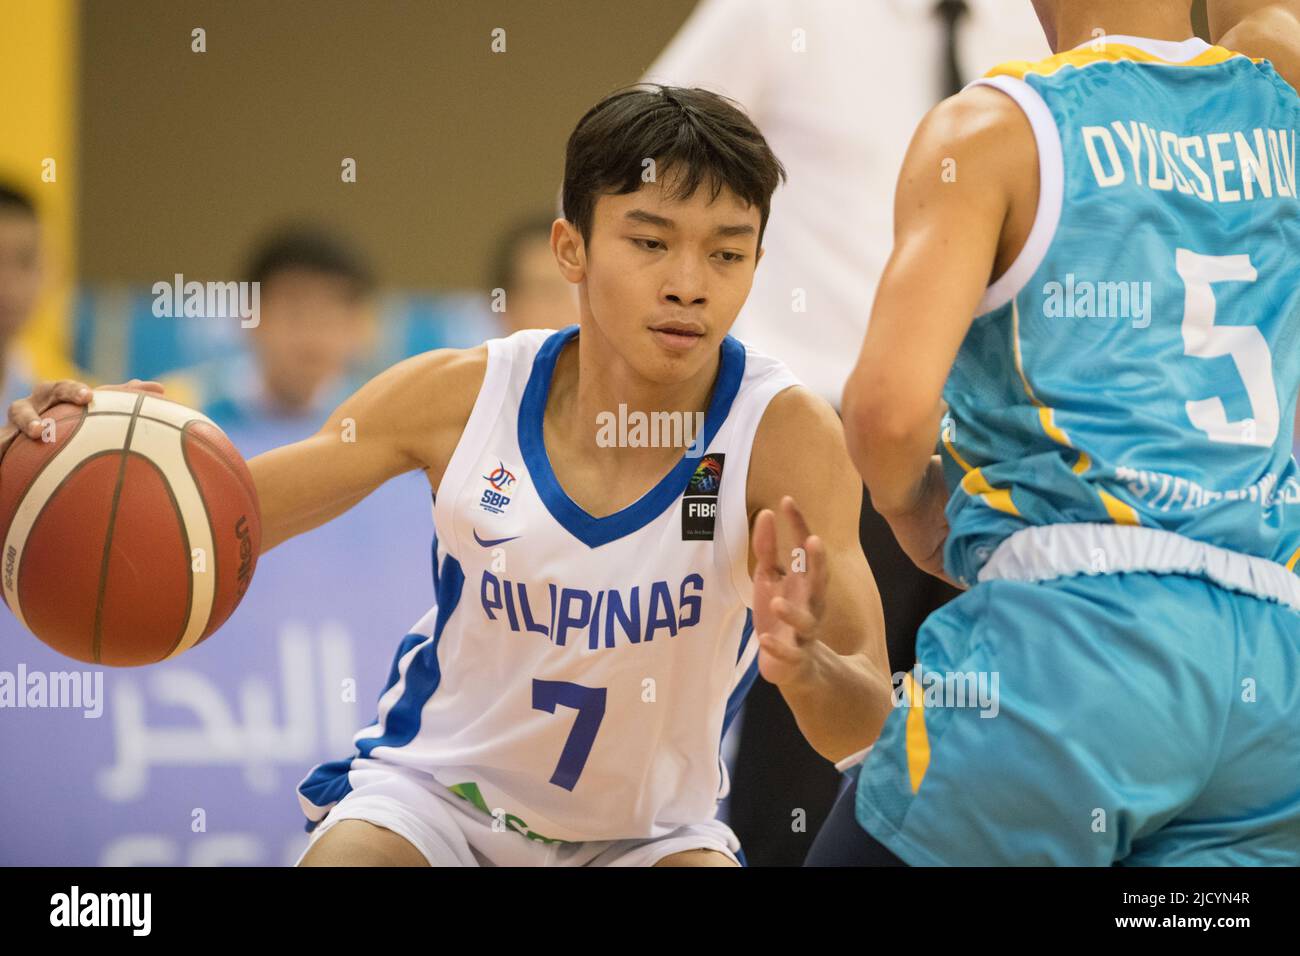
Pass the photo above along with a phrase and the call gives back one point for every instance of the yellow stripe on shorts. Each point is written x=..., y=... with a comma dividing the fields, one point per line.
x=918, y=742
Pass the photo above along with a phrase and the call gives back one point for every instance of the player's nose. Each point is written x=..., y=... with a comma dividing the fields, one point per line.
x=685, y=290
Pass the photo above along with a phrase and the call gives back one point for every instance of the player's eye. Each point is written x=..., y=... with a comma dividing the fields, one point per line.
x=657, y=244
x=735, y=256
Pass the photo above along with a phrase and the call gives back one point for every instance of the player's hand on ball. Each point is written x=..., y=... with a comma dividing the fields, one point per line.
x=25, y=413
x=789, y=595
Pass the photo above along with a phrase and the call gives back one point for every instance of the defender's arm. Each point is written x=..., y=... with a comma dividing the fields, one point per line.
x=954, y=195
x=1268, y=29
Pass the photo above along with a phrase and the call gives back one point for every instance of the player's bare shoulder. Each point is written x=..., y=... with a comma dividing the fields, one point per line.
x=444, y=385
x=418, y=406
x=798, y=426
x=973, y=155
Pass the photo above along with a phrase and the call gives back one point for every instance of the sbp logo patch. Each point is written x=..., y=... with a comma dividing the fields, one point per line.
x=494, y=499
x=700, y=502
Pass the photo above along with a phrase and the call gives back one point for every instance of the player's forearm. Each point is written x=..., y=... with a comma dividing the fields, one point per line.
x=891, y=446
x=841, y=704
x=297, y=491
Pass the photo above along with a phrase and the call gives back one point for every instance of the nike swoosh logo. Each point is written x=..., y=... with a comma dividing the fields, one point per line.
x=493, y=542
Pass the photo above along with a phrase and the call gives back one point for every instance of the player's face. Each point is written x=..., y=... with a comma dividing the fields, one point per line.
x=20, y=270
x=665, y=278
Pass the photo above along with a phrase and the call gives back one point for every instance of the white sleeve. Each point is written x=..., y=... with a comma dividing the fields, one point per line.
x=724, y=46
x=852, y=760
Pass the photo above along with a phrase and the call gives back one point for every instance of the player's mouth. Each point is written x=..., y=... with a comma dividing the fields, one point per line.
x=678, y=336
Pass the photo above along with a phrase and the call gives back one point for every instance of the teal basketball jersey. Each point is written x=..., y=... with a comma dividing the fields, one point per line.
x=1138, y=363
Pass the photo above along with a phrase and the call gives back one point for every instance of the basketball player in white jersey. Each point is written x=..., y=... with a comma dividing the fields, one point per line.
x=564, y=701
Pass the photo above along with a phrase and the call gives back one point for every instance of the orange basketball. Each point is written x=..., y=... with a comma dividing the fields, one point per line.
x=130, y=530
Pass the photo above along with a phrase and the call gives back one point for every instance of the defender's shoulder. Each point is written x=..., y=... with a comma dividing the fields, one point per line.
x=980, y=116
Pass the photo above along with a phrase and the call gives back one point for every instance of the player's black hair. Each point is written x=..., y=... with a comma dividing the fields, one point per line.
x=505, y=257
x=310, y=248
x=13, y=199
x=694, y=134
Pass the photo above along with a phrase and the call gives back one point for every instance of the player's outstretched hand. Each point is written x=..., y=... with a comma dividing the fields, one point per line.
x=25, y=413
x=789, y=595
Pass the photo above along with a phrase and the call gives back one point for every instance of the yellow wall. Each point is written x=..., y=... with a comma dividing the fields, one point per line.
x=38, y=73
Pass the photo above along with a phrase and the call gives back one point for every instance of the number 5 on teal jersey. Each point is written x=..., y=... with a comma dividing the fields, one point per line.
x=1244, y=343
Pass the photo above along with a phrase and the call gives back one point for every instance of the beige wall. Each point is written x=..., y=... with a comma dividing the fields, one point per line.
x=185, y=155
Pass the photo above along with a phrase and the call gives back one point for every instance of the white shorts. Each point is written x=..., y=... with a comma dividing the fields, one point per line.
x=449, y=831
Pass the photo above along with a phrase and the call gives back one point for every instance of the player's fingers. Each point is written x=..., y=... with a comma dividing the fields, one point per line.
x=136, y=385
x=819, y=573
x=765, y=542
x=66, y=390
x=779, y=649
x=773, y=669
x=56, y=393
x=23, y=416
x=810, y=582
x=796, y=518
x=798, y=617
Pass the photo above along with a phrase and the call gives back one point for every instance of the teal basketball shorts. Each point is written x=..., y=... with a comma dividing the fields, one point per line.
x=1132, y=718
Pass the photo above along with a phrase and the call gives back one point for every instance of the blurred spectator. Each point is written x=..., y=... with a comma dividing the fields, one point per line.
x=536, y=295
x=316, y=323
x=21, y=275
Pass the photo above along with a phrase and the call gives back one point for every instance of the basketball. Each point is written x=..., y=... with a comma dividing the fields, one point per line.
x=130, y=529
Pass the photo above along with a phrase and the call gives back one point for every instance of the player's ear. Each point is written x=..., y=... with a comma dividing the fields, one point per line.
x=570, y=251
x=758, y=258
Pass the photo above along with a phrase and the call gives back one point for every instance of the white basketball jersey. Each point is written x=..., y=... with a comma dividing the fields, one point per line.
x=577, y=674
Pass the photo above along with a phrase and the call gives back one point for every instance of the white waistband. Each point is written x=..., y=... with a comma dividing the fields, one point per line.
x=1042, y=552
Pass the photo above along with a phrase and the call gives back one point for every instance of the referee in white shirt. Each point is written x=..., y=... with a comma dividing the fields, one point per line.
x=837, y=88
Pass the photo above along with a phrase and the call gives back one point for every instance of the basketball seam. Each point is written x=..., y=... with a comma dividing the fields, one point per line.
x=108, y=534
x=160, y=421
x=212, y=528
x=73, y=472
x=249, y=487
x=185, y=542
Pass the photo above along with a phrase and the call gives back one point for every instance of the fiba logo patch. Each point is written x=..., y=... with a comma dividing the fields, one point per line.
x=700, y=502
x=495, y=498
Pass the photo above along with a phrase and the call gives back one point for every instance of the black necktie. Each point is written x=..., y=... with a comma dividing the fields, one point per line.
x=951, y=12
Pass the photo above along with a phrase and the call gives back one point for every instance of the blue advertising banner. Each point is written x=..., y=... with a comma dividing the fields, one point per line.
x=195, y=762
